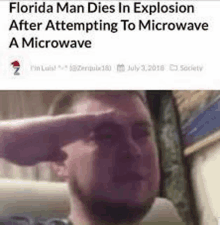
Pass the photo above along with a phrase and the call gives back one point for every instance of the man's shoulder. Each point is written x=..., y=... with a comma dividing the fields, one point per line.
x=162, y=210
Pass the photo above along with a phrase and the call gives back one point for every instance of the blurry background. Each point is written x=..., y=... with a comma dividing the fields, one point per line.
x=196, y=155
x=21, y=104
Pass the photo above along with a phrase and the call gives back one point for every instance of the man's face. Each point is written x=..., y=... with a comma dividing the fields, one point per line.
x=118, y=162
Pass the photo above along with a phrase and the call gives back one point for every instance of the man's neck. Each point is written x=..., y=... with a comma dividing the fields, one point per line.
x=75, y=221
x=79, y=216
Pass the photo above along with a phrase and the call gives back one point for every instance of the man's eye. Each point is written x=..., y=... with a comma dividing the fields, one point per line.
x=107, y=132
x=141, y=133
x=105, y=136
x=110, y=137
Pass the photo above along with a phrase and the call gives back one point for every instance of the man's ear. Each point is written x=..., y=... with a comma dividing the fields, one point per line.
x=60, y=170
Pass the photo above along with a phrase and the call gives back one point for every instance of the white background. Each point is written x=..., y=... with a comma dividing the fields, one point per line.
x=200, y=48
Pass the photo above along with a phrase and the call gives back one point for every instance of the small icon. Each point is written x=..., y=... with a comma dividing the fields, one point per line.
x=173, y=67
x=16, y=66
x=120, y=67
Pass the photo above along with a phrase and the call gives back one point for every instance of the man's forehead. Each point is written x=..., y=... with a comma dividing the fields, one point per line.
x=122, y=105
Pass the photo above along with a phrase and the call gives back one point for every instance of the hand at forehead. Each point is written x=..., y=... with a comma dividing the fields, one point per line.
x=29, y=141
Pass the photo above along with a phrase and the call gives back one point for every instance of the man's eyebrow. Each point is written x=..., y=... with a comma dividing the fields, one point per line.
x=144, y=123
x=117, y=123
x=108, y=123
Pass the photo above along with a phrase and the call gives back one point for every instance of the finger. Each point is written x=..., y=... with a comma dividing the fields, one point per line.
x=78, y=120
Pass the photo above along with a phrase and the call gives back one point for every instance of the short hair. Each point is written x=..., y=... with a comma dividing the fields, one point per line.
x=66, y=99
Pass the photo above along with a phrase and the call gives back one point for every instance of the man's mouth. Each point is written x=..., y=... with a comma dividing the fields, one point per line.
x=128, y=177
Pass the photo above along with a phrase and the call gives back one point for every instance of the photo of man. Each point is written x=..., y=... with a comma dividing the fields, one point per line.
x=103, y=145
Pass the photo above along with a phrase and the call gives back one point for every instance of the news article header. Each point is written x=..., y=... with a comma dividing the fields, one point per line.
x=96, y=22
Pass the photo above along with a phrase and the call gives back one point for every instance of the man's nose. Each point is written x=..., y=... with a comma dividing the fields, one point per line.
x=130, y=149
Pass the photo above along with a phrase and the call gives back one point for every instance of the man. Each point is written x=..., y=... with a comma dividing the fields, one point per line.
x=103, y=145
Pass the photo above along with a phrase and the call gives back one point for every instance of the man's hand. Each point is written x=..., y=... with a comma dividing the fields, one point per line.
x=30, y=141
